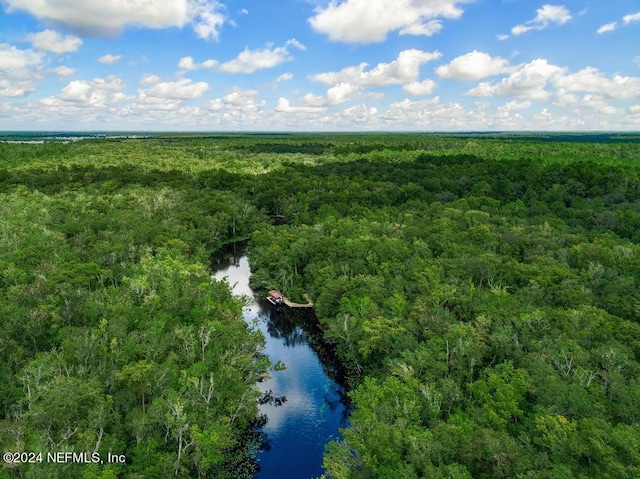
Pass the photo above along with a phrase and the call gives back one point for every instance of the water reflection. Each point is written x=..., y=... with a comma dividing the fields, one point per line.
x=305, y=403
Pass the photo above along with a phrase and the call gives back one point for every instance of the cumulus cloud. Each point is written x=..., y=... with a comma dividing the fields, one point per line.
x=599, y=103
x=249, y=61
x=369, y=21
x=631, y=18
x=109, y=59
x=105, y=18
x=19, y=69
x=12, y=58
x=546, y=16
x=350, y=82
x=187, y=64
x=96, y=93
x=285, y=77
x=52, y=41
x=182, y=89
x=473, y=66
x=425, y=29
x=515, y=105
x=592, y=80
x=238, y=101
x=150, y=79
x=422, y=88
x=405, y=68
x=607, y=27
x=426, y=114
x=284, y=106
x=529, y=81
x=408, y=105
x=626, y=20
x=340, y=93
x=359, y=115
x=63, y=71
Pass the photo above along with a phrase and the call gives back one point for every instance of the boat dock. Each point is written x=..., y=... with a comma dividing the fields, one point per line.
x=277, y=298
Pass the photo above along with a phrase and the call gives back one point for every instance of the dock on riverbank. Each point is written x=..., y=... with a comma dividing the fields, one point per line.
x=277, y=299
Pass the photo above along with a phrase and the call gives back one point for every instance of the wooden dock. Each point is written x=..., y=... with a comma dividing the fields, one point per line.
x=277, y=298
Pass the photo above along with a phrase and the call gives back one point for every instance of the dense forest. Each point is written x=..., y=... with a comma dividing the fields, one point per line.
x=482, y=292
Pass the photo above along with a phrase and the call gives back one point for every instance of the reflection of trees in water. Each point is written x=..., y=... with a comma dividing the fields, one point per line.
x=280, y=326
x=270, y=398
x=228, y=255
x=300, y=327
x=337, y=398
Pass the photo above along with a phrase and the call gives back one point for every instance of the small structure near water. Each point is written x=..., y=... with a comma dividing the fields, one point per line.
x=278, y=299
x=275, y=297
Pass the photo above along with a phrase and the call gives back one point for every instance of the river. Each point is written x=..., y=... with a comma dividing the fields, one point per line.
x=307, y=406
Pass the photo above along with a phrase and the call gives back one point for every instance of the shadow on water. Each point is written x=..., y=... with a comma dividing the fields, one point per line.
x=303, y=404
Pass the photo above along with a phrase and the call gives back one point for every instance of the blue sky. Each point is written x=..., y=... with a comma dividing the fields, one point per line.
x=337, y=65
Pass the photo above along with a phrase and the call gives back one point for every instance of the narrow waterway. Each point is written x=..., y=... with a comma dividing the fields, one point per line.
x=306, y=406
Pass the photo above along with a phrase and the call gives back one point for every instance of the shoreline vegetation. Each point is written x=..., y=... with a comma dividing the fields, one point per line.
x=481, y=289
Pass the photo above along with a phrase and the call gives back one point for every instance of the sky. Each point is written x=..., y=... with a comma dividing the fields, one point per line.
x=320, y=65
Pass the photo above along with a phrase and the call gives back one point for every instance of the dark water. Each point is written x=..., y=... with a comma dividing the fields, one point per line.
x=298, y=429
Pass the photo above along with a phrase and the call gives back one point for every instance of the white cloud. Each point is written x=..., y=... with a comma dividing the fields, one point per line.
x=284, y=106
x=368, y=21
x=515, y=105
x=205, y=16
x=631, y=18
x=626, y=20
x=63, y=71
x=182, y=89
x=591, y=80
x=340, y=93
x=52, y=41
x=19, y=69
x=427, y=114
x=473, y=66
x=425, y=29
x=109, y=18
x=415, y=88
x=408, y=105
x=109, y=59
x=187, y=64
x=249, y=61
x=285, y=77
x=358, y=114
x=97, y=93
x=238, y=101
x=546, y=16
x=528, y=82
x=295, y=43
x=11, y=58
x=150, y=79
x=599, y=103
x=607, y=27
x=405, y=68
x=11, y=89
